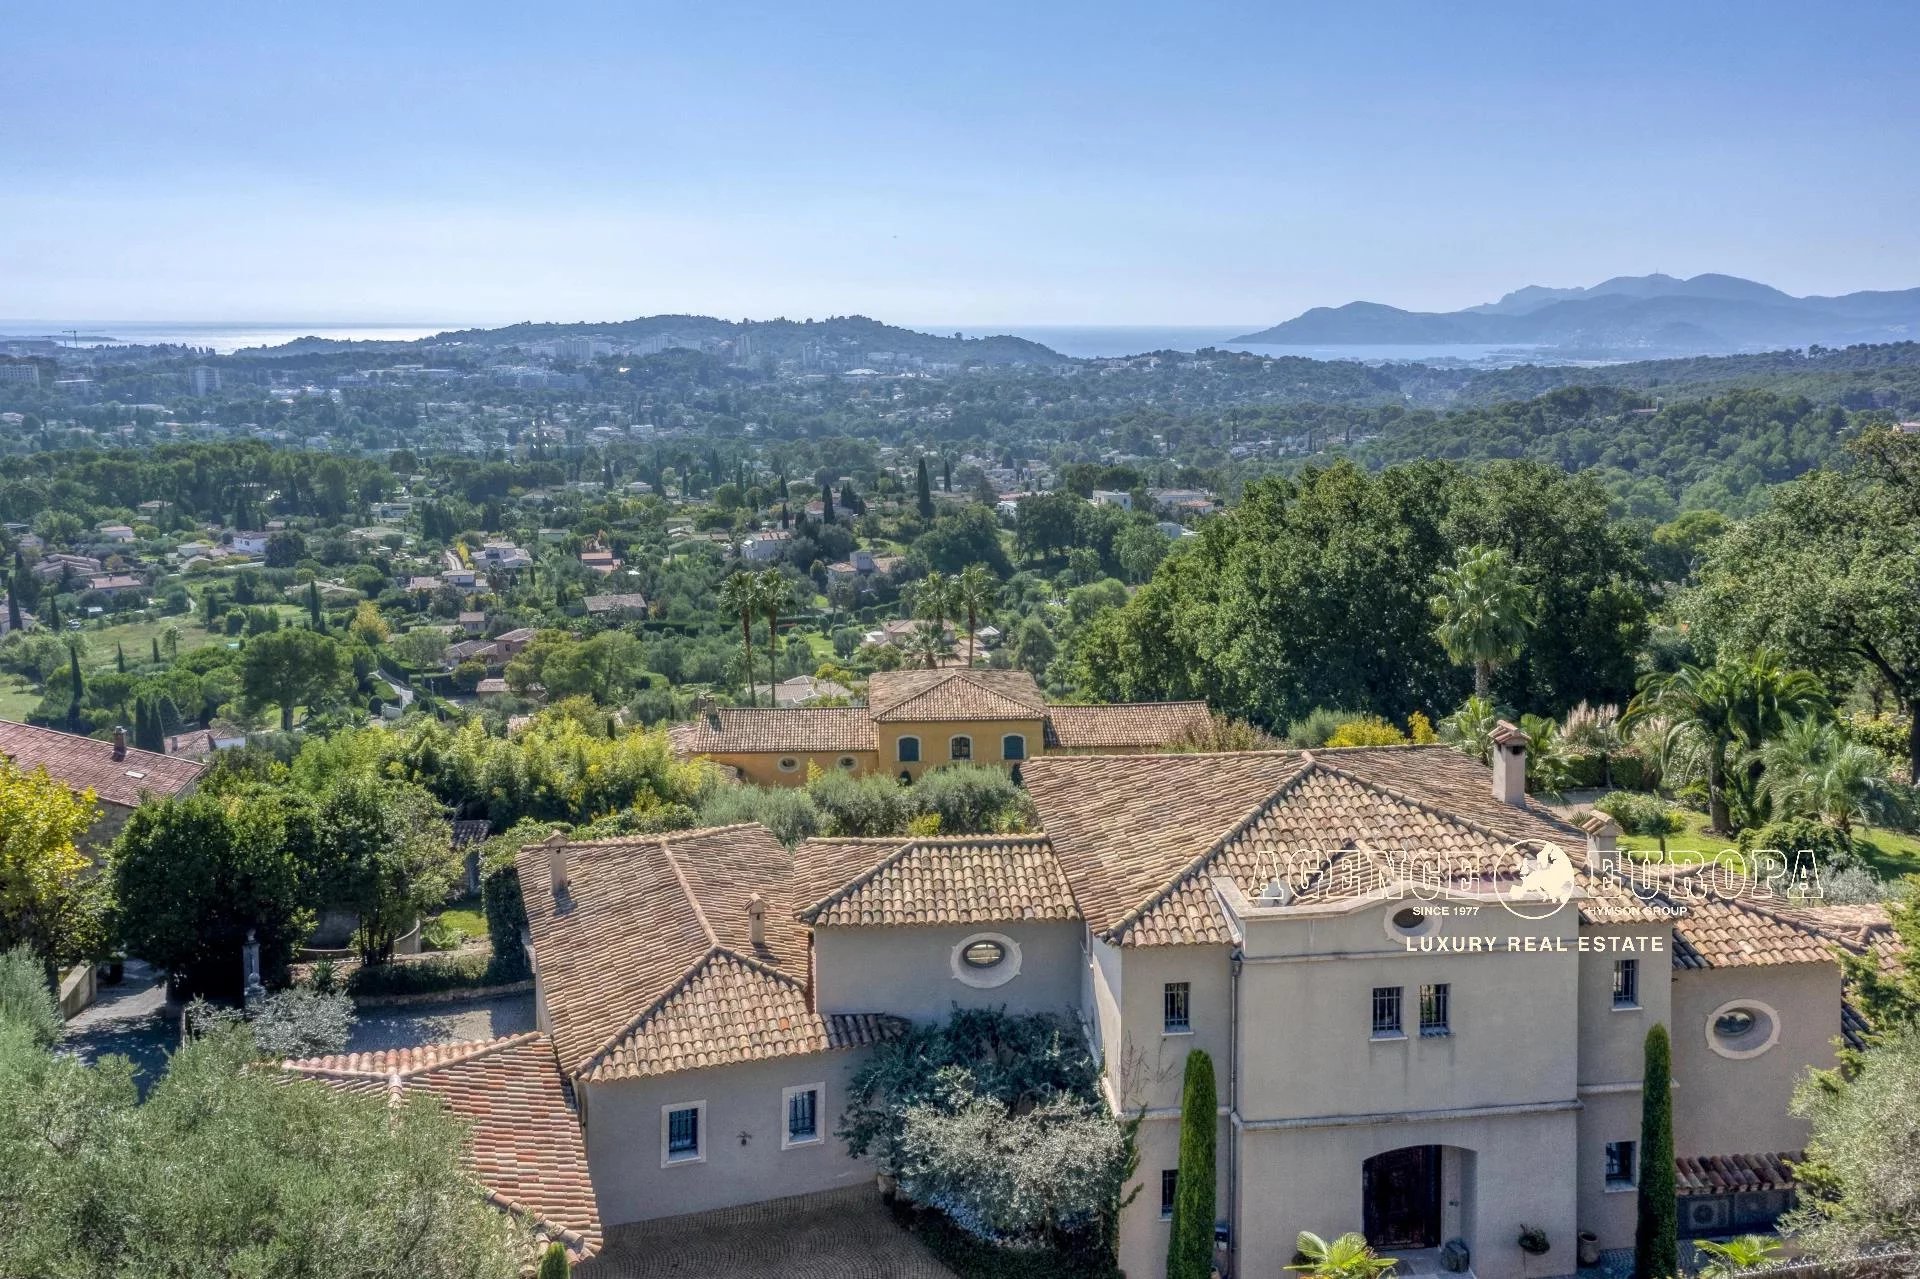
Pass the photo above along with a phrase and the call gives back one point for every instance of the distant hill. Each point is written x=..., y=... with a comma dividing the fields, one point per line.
x=847, y=335
x=1642, y=315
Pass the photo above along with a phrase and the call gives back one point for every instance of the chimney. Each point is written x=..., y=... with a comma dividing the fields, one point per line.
x=556, y=846
x=119, y=743
x=757, y=921
x=1602, y=852
x=1510, y=763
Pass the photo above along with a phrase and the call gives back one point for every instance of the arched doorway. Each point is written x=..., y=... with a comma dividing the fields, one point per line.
x=1401, y=1190
x=1417, y=1197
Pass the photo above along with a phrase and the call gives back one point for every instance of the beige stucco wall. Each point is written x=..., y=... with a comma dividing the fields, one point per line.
x=1144, y=1064
x=1727, y=1106
x=1604, y=1117
x=623, y=1130
x=1294, y=1179
x=762, y=768
x=1143, y=1231
x=1612, y=1050
x=909, y=972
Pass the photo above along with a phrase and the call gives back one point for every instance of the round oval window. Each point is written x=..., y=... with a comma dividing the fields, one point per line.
x=1734, y=1024
x=983, y=954
x=1742, y=1028
x=789, y=764
x=847, y=761
x=1407, y=920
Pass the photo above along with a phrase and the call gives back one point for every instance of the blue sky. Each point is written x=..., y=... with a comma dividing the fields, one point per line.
x=1033, y=163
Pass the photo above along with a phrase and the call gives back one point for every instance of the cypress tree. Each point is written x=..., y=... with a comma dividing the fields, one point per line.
x=13, y=607
x=120, y=658
x=923, y=492
x=313, y=605
x=554, y=1263
x=946, y=474
x=156, y=650
x=826, y=502
x=1190, y=1242
x=1656, y=1251
x=53, y=615
x=79, y=687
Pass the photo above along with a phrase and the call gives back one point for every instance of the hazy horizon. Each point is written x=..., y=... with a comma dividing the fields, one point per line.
x=1070, y=164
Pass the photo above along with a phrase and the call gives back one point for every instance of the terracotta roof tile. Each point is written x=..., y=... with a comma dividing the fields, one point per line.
x=792, y=728
x=1718, y=1174
x=1135, y=724
x=526, y=1146
x=1736, y=932
x=86, y=763
x=953, y=694
x=647, y=962
x=973, y=879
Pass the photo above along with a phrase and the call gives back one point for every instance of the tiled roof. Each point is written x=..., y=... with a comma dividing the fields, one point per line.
x=647, y=962
x=953, y=694
x=1733, y=932
x=973, y=879
x=1719, y=1174
x=470, y=832
x=613, y=603
x=1133, y=724
x=526, y=1146
x=1141, y=838
x=86, y=763
x=792, y=728
x=1865, y=928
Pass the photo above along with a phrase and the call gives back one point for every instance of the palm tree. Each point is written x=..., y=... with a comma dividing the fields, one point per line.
x=1701, y=705
x=1347, y=1257
x=774, y=594
x=740, y=595
x=1814, y=770
x=933, y=599
x=1748, y=1252
x=976, y=591
x=1485, y=612
x=928, y=641
x=1768, y=694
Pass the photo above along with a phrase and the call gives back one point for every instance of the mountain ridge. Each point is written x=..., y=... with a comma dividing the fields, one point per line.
x=1705, y=314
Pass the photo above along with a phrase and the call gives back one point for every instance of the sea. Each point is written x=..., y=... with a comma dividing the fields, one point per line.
x=223, y=337
x=1083, y=341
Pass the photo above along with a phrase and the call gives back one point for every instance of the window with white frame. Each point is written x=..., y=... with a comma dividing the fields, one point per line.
x=1176, y=1008
x=683, y=1133
x=1386, y=1013
x=961, y=747
x=1620, y=1168
x=1434, y=1011
x=1626, y=983
x=801, y=1107
x=908, y=749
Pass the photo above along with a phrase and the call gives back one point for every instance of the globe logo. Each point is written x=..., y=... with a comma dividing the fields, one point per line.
x=1543, y=880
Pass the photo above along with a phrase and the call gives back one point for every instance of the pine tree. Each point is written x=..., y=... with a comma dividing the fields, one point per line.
x=1656, y=1251
x=923, y=492
x=1190, y=1241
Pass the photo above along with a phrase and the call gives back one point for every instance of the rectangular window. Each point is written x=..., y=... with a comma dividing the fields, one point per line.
x=1386, y=1012
x=1169, y=1184
x=1433, y=1010
x=680, y=1139
x=803, y=1115
x=960, y=748
x=1626, y=983
x=1013, y=746
x=909, y=748
x=1619, y=1164
x=1176, y=1008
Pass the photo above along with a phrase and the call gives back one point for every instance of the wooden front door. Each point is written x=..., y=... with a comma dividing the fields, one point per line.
x=1402, y=1198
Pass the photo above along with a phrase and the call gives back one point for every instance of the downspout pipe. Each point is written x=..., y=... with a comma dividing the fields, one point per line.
x=1233, y=1110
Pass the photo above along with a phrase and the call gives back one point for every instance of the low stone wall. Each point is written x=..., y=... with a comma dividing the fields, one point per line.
x=455, y=995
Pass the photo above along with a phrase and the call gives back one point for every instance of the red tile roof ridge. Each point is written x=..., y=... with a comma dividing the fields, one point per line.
x=686, y=888
x=395, y=1064
x=1429, y=806
x=1252, y=815
x=904, y=846
x=706, y=961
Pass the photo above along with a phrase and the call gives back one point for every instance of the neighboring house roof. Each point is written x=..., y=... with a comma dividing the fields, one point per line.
x=1140, y=724
x=972, y=879
x=647, y=961
x=1719, y=1174
x=615, y=603
x=1142, y=837
x=470, y=832
x=86, y=763
x=953, y=694
x=526, y=1144
x=793, y=728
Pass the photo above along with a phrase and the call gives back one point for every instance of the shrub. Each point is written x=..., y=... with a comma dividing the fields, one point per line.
x=786, y=811
x=1366, y=730
x=972, y=799
x=554, y=1263
x=1630, y=772
x=460, y=971
x=299, y=1022
x=1639, y=814
x=1584, y=772
x=438, y=934
x=1221, y=732
x=860, y=806
x=1792, y=836
x=1312, y=730
x=25, y=1000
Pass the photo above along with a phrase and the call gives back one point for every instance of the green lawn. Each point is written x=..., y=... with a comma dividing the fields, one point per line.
x=1888, y=852
x=17, y=697
x=468, y=915
x=137, y=638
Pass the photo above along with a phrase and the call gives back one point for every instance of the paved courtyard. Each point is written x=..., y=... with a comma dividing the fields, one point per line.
x=842, y=1234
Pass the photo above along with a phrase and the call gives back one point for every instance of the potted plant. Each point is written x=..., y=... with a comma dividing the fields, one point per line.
x=1533, y=1241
